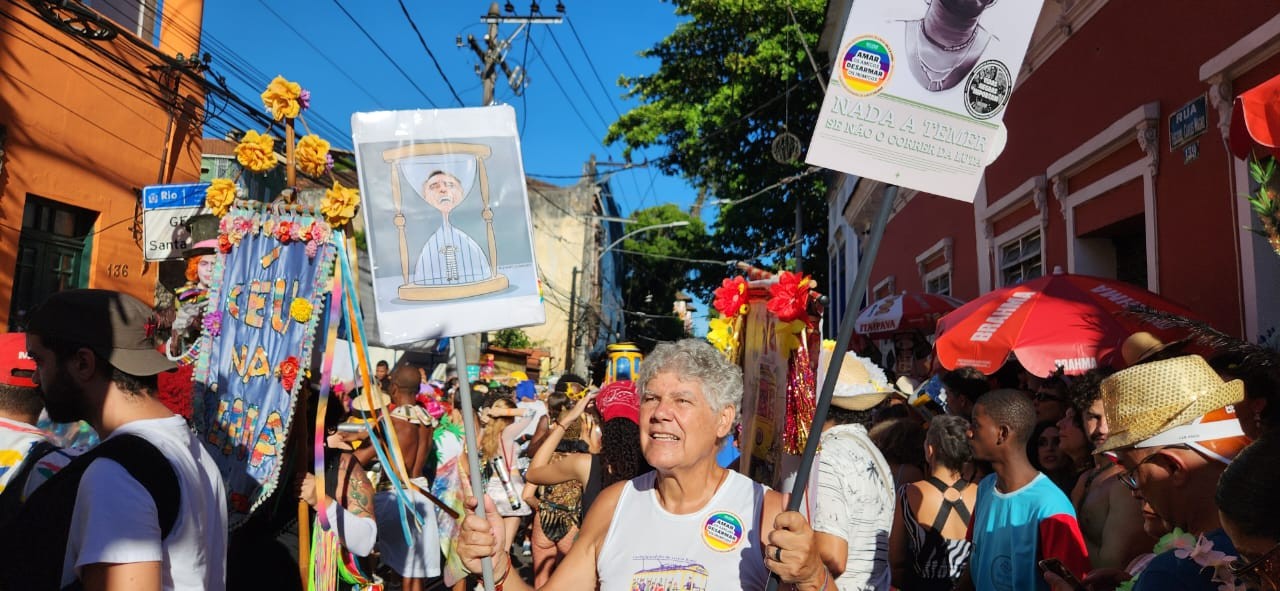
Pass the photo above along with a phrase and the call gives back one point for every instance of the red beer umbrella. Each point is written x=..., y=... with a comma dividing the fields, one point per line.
x=1073, y=321
x=903, y=312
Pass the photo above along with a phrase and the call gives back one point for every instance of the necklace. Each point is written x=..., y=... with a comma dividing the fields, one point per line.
x=938, y=76
x=952, y=48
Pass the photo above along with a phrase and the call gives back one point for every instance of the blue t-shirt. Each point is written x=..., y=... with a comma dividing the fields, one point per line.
x=1167, y=572
x=1012, y=532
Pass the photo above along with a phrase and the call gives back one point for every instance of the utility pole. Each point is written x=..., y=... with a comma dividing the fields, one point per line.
x=493, y=54
x=569, y=341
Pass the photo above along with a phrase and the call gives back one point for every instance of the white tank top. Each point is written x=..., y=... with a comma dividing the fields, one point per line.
x=716, y=547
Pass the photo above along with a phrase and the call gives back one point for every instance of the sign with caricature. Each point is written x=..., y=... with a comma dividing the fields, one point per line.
x=918, y=91
x=447, y=220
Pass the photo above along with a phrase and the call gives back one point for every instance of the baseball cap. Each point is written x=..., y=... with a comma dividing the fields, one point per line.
x=619, y=399
x=116, y=325
x=16, y=367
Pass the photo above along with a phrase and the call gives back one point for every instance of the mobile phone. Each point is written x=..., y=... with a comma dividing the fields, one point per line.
x=1056, y=567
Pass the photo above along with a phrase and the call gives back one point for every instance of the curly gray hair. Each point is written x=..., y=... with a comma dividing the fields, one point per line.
x=695, y=359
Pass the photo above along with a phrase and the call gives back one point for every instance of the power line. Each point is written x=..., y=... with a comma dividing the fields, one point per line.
x=594, y=70
x=322, y=54
x=409, y=18
x=385, y=54
x=567, y=98
x=585, y=93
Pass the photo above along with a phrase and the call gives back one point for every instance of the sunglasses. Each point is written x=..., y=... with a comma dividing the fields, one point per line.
x=1256, y=574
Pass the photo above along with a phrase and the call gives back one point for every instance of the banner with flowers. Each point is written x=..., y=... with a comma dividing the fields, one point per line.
x=274, y=271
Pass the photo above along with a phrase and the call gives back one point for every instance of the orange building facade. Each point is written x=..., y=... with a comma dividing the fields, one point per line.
x=1102, y=174
x=93, y=108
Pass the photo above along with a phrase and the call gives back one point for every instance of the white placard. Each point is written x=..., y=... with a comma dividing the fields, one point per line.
x=918, y=91
x=165, y=210
x=447, y=218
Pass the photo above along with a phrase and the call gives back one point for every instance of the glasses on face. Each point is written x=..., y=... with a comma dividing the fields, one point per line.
x=1130, y=477
x=1256, y=574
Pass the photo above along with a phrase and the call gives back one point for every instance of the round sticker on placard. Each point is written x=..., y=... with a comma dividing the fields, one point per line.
x=722, y=531
x=866, y=65
x=987, y=90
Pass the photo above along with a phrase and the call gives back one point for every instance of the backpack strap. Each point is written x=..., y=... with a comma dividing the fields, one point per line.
x=33, y=541
x=11, y=498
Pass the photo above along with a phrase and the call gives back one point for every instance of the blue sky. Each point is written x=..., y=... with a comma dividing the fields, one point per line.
x=563, y=113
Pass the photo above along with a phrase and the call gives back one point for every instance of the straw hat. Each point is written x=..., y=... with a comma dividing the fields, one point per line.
x=362, y=402
x=1141, y=346
x=861, y=385
x=1146, y=400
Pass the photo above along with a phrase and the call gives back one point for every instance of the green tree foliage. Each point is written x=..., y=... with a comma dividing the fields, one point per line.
x=717, y=101
x=652, y=272
x=512, y=338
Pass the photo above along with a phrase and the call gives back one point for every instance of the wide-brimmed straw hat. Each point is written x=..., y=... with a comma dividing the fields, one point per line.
x=861, y=385
x=1149, y=399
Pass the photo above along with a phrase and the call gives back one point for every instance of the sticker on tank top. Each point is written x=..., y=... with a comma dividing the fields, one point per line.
x=722, y=531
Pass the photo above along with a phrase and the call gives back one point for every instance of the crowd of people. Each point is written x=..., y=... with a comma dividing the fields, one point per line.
x=1154, y=477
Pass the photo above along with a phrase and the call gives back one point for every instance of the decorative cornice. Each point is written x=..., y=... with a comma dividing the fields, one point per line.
x=1223, y=100
x=1148, y=133
x=1060, y=191
x=1040, y=196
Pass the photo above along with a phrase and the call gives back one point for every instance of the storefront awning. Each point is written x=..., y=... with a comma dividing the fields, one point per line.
x=1255, y=120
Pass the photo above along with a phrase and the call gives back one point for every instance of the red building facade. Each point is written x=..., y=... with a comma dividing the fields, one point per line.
x=1099, y=176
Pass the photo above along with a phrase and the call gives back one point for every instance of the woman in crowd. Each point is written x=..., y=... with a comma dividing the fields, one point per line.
x=1073, y=443
x=688, y=520
x=502, y=423
x=558, y=485
x=901, y=441
x=931, y=557
x=1045, y=455
x=1249, y=513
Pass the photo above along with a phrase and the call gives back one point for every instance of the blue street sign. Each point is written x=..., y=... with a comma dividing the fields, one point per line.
x=1188, y=122
x=169, y=196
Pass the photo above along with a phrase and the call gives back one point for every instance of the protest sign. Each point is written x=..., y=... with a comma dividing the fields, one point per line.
x=447, y=220
x=918, y=91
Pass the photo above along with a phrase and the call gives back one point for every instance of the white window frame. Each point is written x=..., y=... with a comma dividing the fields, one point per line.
x=942, y=248
x=887, y=282
x=1000, y=263
x=1141, y=125
x=1033, y=190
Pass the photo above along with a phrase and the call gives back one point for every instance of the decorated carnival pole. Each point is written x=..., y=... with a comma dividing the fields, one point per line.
x=278, y=266
x=889, y=115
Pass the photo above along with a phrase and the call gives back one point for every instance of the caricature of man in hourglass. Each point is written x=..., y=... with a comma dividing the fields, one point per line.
x=450, y=256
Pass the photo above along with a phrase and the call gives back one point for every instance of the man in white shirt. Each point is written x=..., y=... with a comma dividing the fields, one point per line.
x=145, y=510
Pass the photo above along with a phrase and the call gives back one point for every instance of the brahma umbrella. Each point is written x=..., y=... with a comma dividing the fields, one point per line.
x=904, y=312
x=1076, y=322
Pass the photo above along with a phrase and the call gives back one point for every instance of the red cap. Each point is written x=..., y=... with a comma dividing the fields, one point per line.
x=16, y=367
x=619, y=399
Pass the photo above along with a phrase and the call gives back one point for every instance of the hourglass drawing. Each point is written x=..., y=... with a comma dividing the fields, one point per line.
x=451, y=264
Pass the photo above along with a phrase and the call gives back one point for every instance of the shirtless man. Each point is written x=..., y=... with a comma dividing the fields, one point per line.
x=421, y=559
x=1110, y=518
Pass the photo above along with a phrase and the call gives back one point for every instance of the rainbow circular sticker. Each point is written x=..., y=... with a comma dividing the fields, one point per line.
x=722, y=531
x=866, y=65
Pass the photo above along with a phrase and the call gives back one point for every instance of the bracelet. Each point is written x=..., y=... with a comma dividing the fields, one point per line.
x=497, y=585
x=557, y=423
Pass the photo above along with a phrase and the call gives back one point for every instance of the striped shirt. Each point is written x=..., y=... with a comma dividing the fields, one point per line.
x=855, y=502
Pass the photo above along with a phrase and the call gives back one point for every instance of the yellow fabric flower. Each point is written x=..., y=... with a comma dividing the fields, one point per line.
x=311, y=154
x=300, y=309
x=281, y=98
x=256, y=152
x=721, y=334
x=219, y=196
x=339, y=204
